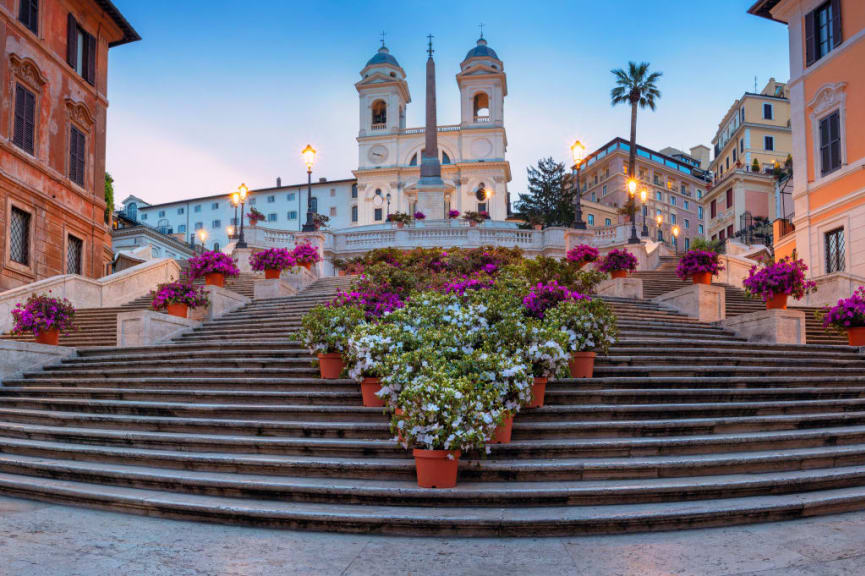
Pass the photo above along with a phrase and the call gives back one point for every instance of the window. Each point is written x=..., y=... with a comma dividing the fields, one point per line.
x=216, y=246
x=214, y=206
x=700, y=229
x=684, y=188
x=658, y=212
x=730, y=231
x=713, y=209
x=144, y=216
x=835, y=251
x=354, y=213
x=216, y=224
x=80, y=50
x=199, y=225
x=700, y=212
x=769, y=143
x=482, y=206
x=445, y=158
x=604, y=191
x=591, y=219
x=594, y=196
x=413, y=161
x=735, y=155
x=291, y=196
x=377, y=215
x=686, y=203
x=73, y=254
x=379, y=112
x=353, y=191
x=687, y=243
x=24, y=135
x=271, y=199
x=741, y=145
x=77, y=155
x=660, y=235
x=658, y=196
x=251, y=201
x=699, y=194
x=742, y=114
x=722, y=235
x=608, y=222
x=728, y=163
x=28, y=14
x=332, y=192
x=830, y=143
x=672, y=218
x=768, y=112
x=672, y=200
x=197, y=208
x=181, y=210
x=271, y=217
x=822, y=31
x=181, y=229
x=162, y=214
x=729, y=198
x=687, y=224
x=19, y=236
x=481, y=105
x=332, y=212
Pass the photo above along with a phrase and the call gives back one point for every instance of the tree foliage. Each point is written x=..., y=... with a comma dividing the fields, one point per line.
x=548, y=200
x=109, y=196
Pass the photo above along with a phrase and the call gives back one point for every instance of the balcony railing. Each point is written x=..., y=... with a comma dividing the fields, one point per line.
x=480, y=119
x=378, y=127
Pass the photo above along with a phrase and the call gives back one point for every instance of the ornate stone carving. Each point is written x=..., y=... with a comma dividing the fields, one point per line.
x=27, y=71
x=827, y=97
x=78, y=113
x=499, y=179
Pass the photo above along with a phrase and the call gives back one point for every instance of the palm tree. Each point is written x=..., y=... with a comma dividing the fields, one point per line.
x=636, y=87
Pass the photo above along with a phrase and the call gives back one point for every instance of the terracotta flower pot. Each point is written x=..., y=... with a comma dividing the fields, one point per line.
x=368, y=389
x=342, y=272
x=777, y=302
x=582, y=364
x=702, y=278
x=538, y=226
x=580, y=265
x=306, y=265
x=436, y=468
x=502, y=434
x=856, y=336
x=539, y=389
x=272, y=273
x=50, y=337
x=472, y=223
x=179, y=310
x=400, y=224
x=330, y=365
x=214, y=279
x=619, y=273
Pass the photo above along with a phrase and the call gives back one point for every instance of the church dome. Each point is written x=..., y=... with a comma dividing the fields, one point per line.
x=383, y=57
x=482, y=51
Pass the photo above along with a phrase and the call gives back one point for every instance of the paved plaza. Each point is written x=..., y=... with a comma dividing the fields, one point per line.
x=39, y=539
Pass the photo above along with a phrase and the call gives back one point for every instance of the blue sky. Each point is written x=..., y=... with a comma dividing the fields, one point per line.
x=219, y=93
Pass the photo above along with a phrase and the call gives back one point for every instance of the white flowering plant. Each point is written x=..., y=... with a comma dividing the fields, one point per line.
x=370, y=343
x=326, y=329
x=590, y=325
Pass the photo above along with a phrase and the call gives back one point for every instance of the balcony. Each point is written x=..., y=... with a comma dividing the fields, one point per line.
x=481, y=119
x=378, y=127
x=782, y=227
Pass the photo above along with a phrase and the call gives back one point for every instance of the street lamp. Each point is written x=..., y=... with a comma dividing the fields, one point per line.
x=230, y=232
x=676, y=239
x=387, y=197
x=577, y=154
x=308, y=154
x=239, y=198
x=644, y=195
x=632, y=191
x=659, y=220
x=202, y=235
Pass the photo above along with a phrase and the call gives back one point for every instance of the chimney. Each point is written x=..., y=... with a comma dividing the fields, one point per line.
x=278, y=182
x=322, y=180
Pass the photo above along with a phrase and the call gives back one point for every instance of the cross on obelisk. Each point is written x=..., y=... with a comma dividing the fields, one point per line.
x=481, y=26
x=430, y=49
x=382, y=38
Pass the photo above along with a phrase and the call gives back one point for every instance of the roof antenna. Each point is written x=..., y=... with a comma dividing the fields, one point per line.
x=755, y=84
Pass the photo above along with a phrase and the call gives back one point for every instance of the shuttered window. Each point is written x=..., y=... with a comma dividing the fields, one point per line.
x=823, y=31
x=24, y=132
x=74, y=248
x=830, y=143
x=28, y=14
x=80, y=50
x=19, y=236
x=835, y=251
x=729, y=198
x=77, y=155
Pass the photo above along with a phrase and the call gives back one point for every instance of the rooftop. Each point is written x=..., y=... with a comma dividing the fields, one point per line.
x=620, y=144
x=129, y=33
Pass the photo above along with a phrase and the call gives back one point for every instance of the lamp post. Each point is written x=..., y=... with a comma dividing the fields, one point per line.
x=676, y=239
x=644, y=195
x=308, y=154
x=230, y=231
x=387, y=197
x=239, y=198
x=659, y=220
x=202, y=235
x=577, y=154
x=632, y=192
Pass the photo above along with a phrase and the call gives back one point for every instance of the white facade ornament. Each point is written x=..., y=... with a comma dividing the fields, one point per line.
x=827, y=98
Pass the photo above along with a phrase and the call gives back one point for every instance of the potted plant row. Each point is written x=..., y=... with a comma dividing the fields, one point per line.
x=272, y=262
x=399, y=218
x=45, y=317
x=618, y=263
x=177, y=298
x=475, y=218
x=699, y=266
x=775, y=282
x=213, y=267
x=848, y=315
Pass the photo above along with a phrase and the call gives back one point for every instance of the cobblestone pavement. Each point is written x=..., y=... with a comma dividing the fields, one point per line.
x=47, y=540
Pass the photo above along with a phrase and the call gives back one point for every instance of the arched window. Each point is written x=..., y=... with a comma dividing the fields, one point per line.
x=132, y=211
x=445, y=158
x=216, y=246
x=379, y=113
x=481, y=106
x=413, y=161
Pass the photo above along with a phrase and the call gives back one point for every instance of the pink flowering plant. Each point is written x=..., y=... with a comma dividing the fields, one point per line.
x=178, y=293
x=42, y=313
x=305, y=254
x=212, y=262
x=399, y=217
x=419, y=215
x=698, y=262
x=786, y=276
x=847, y=313
x=617, y=260
x=254, y=216
x=272, y=259
x=542, y=297
x=466, y=284
x=374, y=303
x=452, y=214
x=476, y=217
x=582, y=254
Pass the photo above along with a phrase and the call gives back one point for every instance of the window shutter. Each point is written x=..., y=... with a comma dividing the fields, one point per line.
x=82, y=156
x=836, y=23
x=810, y=39
x=29, y=121
x=71, y=40
x=73, y=154
x=835, y=139
x=18, y=135
x=89, y=58
x=34, y=16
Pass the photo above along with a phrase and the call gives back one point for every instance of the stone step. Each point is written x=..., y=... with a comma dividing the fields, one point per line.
x=311, y=396
x=282, y=384
x=754, y=360
x=768, y=368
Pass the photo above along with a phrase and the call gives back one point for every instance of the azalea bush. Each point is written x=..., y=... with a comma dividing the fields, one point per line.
x=326, y=329
x=178, y=293
x=305, y=254
x=542, y=269
x=42, y=313
x=374, y=303
x=542, y=297
x=212, y=262
x=589, y=324
x=699, y=262
x=272, y=259
x=787, y=276
x=617, y=260
x=582, y=254
x=847, y=313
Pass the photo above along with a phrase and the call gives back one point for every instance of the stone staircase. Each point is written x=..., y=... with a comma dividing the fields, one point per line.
x=663, y=279
x=684, y=425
